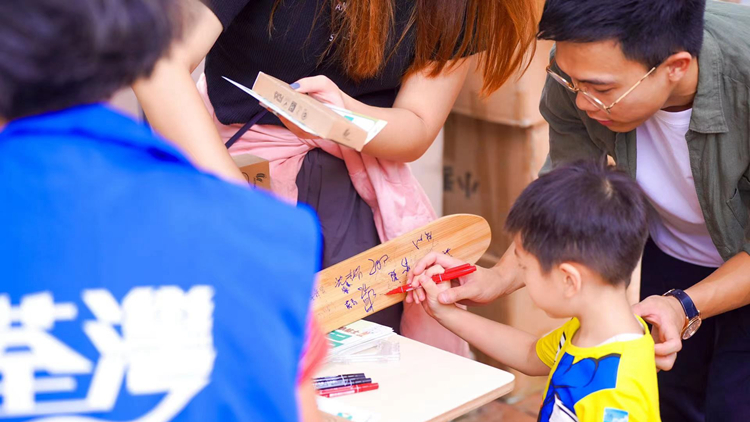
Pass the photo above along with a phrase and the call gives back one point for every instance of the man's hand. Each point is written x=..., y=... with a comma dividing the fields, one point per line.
x=429, y=292
x=668, y=318
x=478, y=288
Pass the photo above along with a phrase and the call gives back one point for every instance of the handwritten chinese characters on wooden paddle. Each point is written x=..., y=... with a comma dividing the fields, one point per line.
x=355, y=288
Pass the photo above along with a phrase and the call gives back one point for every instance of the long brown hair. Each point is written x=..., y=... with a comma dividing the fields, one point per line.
x=503, y=31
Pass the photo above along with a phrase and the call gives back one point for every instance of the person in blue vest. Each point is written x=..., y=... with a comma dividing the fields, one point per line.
x=130, y=288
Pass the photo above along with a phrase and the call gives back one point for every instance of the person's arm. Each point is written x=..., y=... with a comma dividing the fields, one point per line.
x=308, y=406
x=313, y=357
x=174, y=107
x=419, y=112
x=726, y=289
x=478, y=288
x=505, y=344
x=509, y=346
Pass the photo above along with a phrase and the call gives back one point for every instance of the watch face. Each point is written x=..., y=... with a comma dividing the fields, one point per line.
x=691, y=328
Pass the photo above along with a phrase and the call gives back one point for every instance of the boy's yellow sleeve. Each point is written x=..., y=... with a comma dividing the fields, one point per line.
x=548, y=346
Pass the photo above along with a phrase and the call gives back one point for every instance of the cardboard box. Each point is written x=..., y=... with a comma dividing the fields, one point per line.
x=255, y=169
x=486, y=167
x=322, y=120
x=494, y=147
x=516, y=103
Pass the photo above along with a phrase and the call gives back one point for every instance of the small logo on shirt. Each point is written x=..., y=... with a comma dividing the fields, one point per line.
x=615, y=415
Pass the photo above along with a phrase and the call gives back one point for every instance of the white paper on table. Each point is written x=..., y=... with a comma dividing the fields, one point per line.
x=350, y=413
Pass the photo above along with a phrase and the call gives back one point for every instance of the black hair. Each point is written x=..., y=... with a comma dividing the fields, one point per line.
x=55, y=54
x=648, y=31
x=587, y=213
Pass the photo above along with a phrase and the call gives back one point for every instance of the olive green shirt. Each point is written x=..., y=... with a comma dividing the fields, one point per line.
x=718, y=138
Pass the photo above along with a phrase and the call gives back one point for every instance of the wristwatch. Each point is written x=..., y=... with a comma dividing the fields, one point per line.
x=692, y=314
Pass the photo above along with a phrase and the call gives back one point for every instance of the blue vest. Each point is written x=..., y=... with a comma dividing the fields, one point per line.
x=134, y=285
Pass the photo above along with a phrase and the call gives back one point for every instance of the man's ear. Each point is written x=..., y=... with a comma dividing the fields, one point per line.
x=677, y=65
x=571, y=279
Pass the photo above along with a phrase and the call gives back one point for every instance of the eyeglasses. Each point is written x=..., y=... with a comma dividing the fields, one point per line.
x=595, y=101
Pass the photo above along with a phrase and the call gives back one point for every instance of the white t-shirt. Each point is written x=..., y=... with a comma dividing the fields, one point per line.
x=663, y=172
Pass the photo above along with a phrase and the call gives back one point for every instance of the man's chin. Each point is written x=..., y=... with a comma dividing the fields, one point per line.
x=619, y=127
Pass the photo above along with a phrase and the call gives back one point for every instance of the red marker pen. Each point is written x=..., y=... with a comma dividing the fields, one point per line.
x=448, y=275
x=344, y=391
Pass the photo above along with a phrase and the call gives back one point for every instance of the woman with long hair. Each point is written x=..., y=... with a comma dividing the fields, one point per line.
x=403, y=61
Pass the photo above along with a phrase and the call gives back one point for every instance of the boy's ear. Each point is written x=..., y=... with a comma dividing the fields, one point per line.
x=571, y=279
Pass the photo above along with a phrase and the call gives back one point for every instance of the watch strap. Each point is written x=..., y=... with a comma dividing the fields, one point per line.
x=687, y=304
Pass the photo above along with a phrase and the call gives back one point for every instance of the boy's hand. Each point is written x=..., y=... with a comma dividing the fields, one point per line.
x=429, y=296
x=478, y=288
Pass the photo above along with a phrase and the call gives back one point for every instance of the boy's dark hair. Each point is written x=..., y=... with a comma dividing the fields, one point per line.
x=587, y=213
x=55, y=54
x=648, y=31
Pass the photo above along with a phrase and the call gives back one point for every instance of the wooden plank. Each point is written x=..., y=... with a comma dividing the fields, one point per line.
x=356, y=287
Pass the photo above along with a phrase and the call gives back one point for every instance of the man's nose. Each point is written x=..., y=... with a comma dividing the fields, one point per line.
x=585, y=104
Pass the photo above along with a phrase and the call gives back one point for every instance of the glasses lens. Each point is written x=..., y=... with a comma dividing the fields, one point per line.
x=594, y=101
x=561, y=80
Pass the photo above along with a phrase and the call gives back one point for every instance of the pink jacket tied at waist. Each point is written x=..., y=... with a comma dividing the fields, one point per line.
x=398, y=202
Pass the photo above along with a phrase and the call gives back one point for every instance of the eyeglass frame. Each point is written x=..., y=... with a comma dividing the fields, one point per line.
x=597, y=102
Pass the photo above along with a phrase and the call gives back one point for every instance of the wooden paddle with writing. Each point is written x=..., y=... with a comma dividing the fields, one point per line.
x=356, y=287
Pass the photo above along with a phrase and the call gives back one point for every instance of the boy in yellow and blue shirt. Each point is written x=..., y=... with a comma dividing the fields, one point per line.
x=612, y=382
x=579, y=233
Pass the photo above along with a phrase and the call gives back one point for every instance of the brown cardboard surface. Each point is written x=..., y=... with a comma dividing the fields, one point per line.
x=486, y=167
x=516, y=103
x=255, y=169
x=321, y=119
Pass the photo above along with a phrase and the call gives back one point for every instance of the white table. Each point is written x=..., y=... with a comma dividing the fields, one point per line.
x=427, y=384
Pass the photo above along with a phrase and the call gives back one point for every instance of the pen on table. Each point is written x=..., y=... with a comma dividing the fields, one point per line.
x=353, y=389
x=340, y=377
x=326, y=385
x=448, y=275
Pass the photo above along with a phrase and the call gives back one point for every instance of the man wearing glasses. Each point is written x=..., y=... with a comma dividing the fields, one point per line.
x=663, y=87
